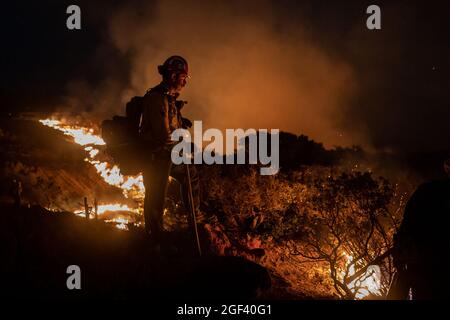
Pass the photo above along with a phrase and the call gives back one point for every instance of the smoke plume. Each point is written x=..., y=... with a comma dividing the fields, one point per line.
x=248, y=68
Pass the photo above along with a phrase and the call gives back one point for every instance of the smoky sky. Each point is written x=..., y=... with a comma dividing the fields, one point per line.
x=299, y=66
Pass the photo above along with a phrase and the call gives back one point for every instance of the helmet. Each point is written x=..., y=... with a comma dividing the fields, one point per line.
x=175, y=64
x=447, y=166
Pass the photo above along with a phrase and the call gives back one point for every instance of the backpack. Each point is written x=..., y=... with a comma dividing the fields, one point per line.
x=121, y=135
x=133, y=111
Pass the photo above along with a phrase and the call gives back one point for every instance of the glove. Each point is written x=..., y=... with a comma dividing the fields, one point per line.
x=180, y=104
x=186, y=123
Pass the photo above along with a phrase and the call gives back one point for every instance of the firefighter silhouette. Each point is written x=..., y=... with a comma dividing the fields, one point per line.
x=422, y=243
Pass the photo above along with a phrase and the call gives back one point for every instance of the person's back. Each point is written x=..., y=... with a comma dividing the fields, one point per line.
x=422, y=243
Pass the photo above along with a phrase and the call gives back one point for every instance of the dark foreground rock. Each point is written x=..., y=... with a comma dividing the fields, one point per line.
x=37, y=246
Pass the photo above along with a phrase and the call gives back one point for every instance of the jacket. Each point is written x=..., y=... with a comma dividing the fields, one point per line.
x=160, y=117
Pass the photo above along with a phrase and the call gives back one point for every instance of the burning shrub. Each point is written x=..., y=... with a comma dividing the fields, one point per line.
x=348, y=225
x=343, y=221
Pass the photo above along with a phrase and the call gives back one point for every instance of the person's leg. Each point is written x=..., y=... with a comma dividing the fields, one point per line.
x=155, y=181
x=179, y=172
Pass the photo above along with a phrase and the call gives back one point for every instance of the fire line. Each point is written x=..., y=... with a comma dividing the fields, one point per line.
x=131, y=186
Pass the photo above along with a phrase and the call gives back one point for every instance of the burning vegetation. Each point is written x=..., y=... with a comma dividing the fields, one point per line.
x=131, y=186
x=321, y=227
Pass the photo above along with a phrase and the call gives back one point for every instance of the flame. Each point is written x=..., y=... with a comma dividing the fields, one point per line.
x=131, y=186
x=368, y=283
x=102, y=208
x=82, y=136
x=120, y=223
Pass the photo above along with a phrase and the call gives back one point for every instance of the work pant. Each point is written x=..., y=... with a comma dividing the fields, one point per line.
x=156, y=174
